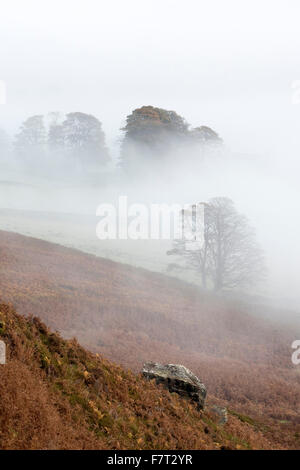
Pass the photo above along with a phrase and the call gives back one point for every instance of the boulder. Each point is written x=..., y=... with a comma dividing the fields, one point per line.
x=177, y=378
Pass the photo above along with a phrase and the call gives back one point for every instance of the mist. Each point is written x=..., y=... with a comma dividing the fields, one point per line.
x=230, y=67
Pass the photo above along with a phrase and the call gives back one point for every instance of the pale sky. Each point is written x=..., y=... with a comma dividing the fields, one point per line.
x=227, y=64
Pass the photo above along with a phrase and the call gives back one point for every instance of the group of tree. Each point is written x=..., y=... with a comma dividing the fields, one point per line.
x=228, y=256
x=77, y=136
x=154, y=133
x=150, y=134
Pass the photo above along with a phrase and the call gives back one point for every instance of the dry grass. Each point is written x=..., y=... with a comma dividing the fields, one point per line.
x=130, y=316
x=56, y=395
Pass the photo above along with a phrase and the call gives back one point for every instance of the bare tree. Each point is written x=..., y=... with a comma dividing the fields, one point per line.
x=229, y=256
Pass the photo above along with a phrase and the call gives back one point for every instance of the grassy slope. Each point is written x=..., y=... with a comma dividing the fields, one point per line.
x=131, y=315
x=54, y=394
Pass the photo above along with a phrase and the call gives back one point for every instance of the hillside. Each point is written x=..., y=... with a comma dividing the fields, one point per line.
x=56, y=395
x=131, y=316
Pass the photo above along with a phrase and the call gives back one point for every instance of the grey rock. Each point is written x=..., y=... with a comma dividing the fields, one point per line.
x=177, y=378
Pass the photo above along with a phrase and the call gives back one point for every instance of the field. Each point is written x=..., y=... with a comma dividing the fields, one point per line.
x=130, y=316
x=56, y=395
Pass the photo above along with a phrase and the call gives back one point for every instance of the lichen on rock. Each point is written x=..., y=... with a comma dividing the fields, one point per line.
x=177, y=378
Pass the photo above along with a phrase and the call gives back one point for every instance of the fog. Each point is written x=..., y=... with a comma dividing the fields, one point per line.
x=227, y=65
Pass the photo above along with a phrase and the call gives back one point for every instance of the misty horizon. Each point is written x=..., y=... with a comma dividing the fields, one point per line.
x=240, y=79
x=149, y=227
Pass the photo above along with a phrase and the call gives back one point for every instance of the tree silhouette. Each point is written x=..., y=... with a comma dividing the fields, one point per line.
x=229, y=257
x=149, y=134
x=30, y=142
x=83, y=138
